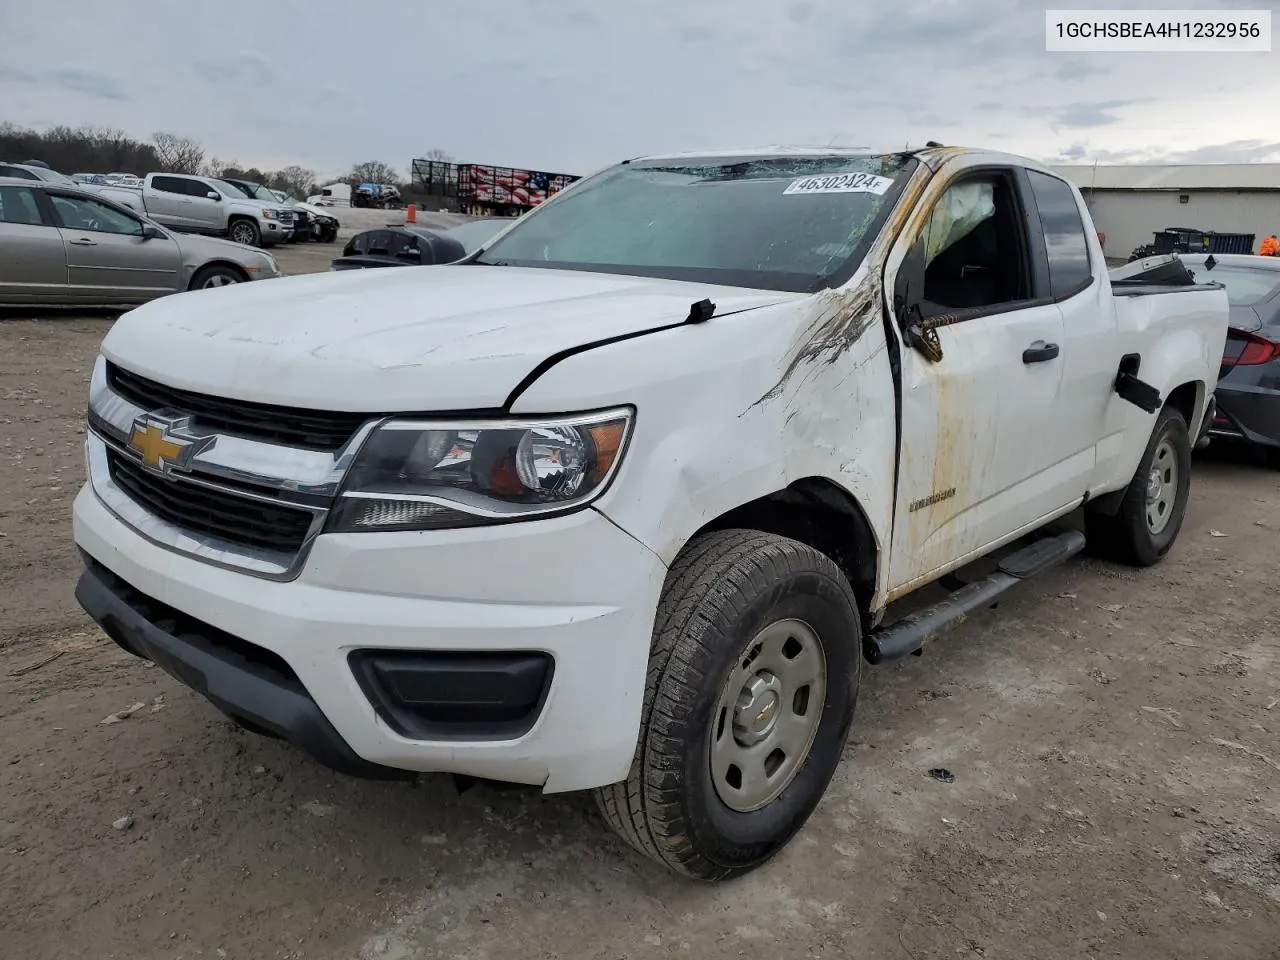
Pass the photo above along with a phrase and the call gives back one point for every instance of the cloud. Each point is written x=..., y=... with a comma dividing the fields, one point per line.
x=1099, y=114
x=1237, y=151
x=568, y=85
x=10, y=75
x=1078, y=70
x=88, y=83
x=246, y=67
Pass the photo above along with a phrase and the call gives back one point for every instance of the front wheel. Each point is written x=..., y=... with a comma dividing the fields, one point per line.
x=752, y=683
x=218, y=275
x=246, y=232
x=1143, y=529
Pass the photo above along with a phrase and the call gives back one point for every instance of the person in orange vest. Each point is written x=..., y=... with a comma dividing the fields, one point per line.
x=1270, y=247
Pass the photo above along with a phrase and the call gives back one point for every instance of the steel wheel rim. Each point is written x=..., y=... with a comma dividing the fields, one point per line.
x=768, y=715
x=1162, y=487
x=219, y=280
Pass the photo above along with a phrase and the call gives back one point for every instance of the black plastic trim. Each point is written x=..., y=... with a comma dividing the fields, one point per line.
x=251, y=685
x=455, y=695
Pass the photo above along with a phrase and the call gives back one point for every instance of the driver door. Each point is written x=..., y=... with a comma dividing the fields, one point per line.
x=978, y=438
x=108, y=258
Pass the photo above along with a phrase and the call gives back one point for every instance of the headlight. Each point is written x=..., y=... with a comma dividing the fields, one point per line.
x=269, y=214
x=416, y=475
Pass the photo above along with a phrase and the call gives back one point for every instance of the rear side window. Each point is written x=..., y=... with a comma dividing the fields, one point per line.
x=18, y=205
x=169, y=184
x=21, y=174
x=1064, y=236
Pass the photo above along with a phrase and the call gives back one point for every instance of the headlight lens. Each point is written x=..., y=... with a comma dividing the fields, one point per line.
x=429, y=476
x=269, y=214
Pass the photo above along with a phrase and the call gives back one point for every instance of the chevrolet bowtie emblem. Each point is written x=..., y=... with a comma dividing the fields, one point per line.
x=159, y=442
x=763, y=715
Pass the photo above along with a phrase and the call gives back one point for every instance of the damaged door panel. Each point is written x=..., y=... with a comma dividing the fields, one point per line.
x=976, y=459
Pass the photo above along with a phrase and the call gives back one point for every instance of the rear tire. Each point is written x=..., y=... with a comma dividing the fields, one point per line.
x=1143, y=530
x=754, y=667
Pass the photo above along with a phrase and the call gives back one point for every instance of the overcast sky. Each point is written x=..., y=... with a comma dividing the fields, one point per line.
x=571, y=85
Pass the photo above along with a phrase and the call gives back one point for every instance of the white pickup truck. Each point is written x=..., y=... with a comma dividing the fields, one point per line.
x=621, y=501
x=206, y=205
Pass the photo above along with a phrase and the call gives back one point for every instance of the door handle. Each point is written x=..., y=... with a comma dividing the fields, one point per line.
x=84, y=242
x=1039, y=352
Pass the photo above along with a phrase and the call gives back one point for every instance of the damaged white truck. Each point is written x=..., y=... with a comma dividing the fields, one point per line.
x=620, y=503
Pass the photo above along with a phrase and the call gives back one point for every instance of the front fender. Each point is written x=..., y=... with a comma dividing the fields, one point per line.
x=721, y=420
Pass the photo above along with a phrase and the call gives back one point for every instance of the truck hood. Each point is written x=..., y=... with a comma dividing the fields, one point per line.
x=437, y=338
x=312, y=209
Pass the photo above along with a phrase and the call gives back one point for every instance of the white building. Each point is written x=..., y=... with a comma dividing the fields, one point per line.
x=1130, y=203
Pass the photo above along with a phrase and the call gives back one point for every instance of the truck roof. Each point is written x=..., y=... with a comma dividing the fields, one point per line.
x=936, y=154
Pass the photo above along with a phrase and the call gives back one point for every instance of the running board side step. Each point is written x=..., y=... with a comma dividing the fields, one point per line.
x=909, y=635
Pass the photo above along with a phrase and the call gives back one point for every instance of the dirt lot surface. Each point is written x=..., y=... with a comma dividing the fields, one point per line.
x=1112, y=735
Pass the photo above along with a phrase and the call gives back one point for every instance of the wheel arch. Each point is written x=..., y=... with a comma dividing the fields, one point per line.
x=818, y=512
x=231, y=264
x=1188, y=399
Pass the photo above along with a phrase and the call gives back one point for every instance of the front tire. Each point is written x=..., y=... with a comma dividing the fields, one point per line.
x=751, y=688
x=1143, y=529
x=217, y=275
x=245, y=231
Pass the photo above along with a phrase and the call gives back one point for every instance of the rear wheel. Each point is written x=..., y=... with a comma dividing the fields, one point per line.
x=752, y=683
x=1141, y=532
x=218, y=275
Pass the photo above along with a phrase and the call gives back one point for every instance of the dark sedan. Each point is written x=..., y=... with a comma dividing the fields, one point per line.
x=1248, y=391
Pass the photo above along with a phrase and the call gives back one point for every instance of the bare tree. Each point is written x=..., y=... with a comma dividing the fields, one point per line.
x=438, y=155
x=373, y=171
x=178, y=154
x=294, y=180
x=217, y=167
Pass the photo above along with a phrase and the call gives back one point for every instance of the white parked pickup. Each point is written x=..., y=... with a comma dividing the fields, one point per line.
x=621, y=502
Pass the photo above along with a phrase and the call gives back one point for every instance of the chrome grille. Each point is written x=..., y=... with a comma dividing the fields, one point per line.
x=254, y=523
x=287, y=426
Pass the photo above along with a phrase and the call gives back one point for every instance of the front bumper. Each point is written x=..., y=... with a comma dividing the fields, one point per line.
x=279, y=654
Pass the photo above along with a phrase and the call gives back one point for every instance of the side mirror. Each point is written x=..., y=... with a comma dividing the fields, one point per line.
x=213, y=195
x=151, y=232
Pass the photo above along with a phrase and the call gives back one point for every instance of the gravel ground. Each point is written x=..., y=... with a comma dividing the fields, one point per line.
x=1112, y=735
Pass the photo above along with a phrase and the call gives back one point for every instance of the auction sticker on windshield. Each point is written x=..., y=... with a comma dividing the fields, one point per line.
x=841, y=183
